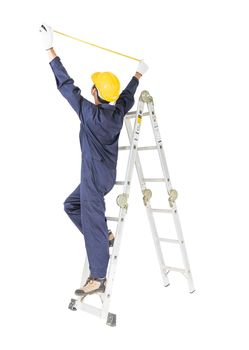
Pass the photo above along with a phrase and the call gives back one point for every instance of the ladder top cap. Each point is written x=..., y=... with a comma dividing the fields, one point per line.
x=145, y=96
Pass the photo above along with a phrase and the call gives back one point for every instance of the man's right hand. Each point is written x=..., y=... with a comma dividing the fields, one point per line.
x=47, y=36
x=142, y=67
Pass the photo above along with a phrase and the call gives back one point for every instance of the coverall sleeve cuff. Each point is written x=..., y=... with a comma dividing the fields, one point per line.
x=54, y=61
x=136, y=79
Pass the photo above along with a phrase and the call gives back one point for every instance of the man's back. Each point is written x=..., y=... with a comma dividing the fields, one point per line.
x=100, y=124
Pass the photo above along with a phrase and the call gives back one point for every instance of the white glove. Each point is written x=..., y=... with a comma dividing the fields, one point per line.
x=142, y=67
x=47, y=36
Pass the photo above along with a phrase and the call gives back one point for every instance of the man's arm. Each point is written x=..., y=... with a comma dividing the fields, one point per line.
x=64, y=82
x=126, y=98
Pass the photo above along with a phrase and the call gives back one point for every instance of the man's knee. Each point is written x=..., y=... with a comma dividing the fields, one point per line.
x=70, y=207
x=72, y=202
x=67, y=206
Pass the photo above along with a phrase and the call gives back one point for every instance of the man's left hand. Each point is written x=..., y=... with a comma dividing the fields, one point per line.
x=47, y=36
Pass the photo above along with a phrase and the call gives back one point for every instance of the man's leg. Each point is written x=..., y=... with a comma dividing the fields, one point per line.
x=72, y=207
x=89, y=217
x=95, y=229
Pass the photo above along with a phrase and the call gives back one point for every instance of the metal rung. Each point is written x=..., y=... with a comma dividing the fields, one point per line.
x=162, y=210
x=112, y=218
x=119, y=182
x=123, y=148
x=169, y=240
x=146, y=148
x=133, y=114
x=176, y=269
x=154, y=179
x=89, y=308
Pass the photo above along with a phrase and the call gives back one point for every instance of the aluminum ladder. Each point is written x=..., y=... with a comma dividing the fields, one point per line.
x=122, y=201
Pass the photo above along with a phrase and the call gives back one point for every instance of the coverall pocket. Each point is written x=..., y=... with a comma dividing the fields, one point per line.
x=103, y=176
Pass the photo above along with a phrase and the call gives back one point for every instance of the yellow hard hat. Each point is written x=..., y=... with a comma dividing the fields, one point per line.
x=107, y=84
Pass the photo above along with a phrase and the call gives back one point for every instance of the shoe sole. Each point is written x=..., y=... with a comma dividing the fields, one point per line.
x=81, y=293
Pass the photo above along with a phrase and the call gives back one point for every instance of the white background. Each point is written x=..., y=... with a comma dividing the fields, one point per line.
x=198, y=57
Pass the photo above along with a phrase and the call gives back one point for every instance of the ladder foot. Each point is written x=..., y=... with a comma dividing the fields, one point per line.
x=71, y=305
x=111, y=320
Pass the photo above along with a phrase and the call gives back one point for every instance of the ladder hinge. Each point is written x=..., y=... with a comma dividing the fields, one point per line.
x=172, y=197
x=122, y=200
x=147, y=196
x=146, y=97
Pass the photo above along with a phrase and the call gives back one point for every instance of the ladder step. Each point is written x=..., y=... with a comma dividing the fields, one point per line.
x=162, y=210
x=123, y=148
x=89, y=308
x=133, y=114
x=176, y=269
x=112, y=218
x=169, y=240
x=146, y=148
x=148, y=179
x=119, y=182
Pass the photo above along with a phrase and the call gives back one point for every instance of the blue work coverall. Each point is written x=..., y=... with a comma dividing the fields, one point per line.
x=100, y=126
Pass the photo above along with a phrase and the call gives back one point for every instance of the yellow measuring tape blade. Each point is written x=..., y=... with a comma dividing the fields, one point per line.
x=100, y=47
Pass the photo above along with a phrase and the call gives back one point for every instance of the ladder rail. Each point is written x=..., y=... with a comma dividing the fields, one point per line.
x=123, y=211
x=159, y=144
x=155, y=127
x=151, y=218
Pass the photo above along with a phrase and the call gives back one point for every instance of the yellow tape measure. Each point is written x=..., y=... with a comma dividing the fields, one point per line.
x=100, y=47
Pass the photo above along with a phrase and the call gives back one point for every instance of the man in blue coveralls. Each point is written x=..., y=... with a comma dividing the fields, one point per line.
x=100, y=126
